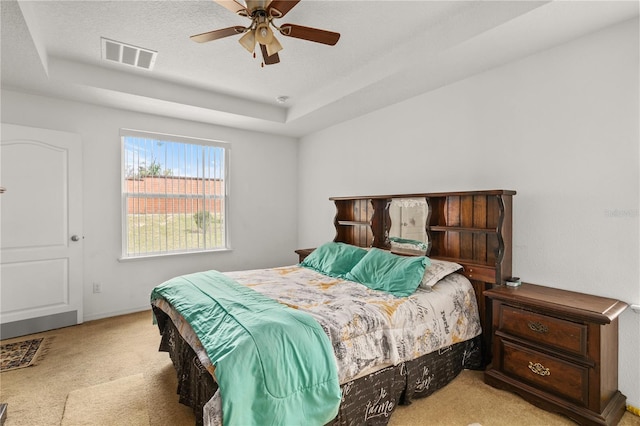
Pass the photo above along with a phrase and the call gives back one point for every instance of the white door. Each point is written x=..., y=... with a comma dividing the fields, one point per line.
x=40, y=230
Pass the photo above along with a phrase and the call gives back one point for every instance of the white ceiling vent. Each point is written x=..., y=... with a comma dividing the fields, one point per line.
x=127, y=54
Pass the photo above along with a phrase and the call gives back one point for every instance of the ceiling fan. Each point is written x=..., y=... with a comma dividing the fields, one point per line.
x=262, y=13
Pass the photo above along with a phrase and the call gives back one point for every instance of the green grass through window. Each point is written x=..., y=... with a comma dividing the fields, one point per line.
x=159, y=233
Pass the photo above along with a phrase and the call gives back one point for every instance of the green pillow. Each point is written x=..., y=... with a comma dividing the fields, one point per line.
x=381, y=270
x=334, y=259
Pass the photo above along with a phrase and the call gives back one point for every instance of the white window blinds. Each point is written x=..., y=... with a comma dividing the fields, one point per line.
x=174, y=194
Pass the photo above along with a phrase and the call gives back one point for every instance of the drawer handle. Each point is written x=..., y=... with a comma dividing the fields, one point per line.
x=539, y=369
x=538, y=327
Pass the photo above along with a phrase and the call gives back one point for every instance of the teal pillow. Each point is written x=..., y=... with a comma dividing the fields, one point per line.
x=334, y=259
x=381, y=270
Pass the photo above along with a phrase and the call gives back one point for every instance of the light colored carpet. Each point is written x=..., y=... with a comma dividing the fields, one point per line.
x=115, y=355
x=115, y=403
x=91, y=354
x=456, y=405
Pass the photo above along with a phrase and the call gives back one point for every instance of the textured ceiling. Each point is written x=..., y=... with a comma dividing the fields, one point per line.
x=388, y=51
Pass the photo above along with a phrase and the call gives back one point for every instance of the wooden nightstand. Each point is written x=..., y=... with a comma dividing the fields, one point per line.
x=558, y=350
x=302, y=253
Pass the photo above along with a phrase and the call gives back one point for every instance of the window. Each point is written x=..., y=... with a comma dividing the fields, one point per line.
x=174, y=194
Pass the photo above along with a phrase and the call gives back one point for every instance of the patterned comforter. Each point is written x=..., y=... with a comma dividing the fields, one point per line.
x=368, y=329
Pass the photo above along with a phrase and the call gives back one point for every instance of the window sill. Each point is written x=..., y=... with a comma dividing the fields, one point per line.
x=165, y=255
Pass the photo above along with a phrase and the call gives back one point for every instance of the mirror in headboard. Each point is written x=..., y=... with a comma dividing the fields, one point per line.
x=408, y=224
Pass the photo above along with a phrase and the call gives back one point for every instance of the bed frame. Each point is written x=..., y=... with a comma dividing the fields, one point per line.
x=472, y=228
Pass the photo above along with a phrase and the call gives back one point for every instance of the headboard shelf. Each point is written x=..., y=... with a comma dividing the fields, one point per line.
x=472, y=228
x=462, y=229
x=353, y=223
x=467, y=227
x=427, y=194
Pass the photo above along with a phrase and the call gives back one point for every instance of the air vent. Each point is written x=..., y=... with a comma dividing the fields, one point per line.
x=127, y=54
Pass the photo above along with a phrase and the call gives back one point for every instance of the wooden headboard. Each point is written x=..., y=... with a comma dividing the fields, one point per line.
x=472, y=228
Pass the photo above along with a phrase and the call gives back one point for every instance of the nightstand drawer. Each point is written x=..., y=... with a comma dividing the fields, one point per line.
x=542, y=329
x=562, y=378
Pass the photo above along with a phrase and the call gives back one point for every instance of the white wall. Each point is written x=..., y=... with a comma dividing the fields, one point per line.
x=560, y=127
x=262, y=207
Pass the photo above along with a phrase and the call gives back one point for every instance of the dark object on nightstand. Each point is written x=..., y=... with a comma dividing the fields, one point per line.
x=558, y=350
x=3, y=412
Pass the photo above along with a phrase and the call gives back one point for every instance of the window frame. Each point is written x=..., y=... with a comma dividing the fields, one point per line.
x=124, y=256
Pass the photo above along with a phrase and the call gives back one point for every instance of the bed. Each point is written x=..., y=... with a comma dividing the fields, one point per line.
x=394, y=327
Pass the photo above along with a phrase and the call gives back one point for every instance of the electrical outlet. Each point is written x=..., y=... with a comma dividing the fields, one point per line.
x=97, y=288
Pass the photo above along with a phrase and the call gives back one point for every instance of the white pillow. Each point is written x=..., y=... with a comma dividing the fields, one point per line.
x=437, y=271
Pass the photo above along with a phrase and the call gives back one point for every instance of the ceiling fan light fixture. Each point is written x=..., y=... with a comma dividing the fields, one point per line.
x=248, y=41
x=264, y=35
x=273, y=47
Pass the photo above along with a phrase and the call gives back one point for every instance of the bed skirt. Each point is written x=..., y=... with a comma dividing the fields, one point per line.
x=367, y=400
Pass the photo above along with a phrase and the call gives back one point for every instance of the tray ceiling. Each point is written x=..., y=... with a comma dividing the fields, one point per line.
x=388, y=51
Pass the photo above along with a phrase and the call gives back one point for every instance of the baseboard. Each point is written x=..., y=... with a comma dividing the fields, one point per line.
x=116, y=313
x=633, y=410
x=37, y=325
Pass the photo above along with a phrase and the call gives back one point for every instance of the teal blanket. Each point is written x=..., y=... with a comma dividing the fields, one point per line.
x=274, y=364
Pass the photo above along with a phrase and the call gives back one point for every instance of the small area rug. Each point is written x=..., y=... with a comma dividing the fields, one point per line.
x=118, y=402
x=20, y=354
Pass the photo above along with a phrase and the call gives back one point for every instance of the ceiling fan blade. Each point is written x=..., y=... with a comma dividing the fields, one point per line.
x=279, y=8
x=310, y=34
x=216, y=34
x=269, y=60
x=233, y=6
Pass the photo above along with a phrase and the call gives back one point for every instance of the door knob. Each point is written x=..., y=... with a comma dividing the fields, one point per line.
x=75, y=238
